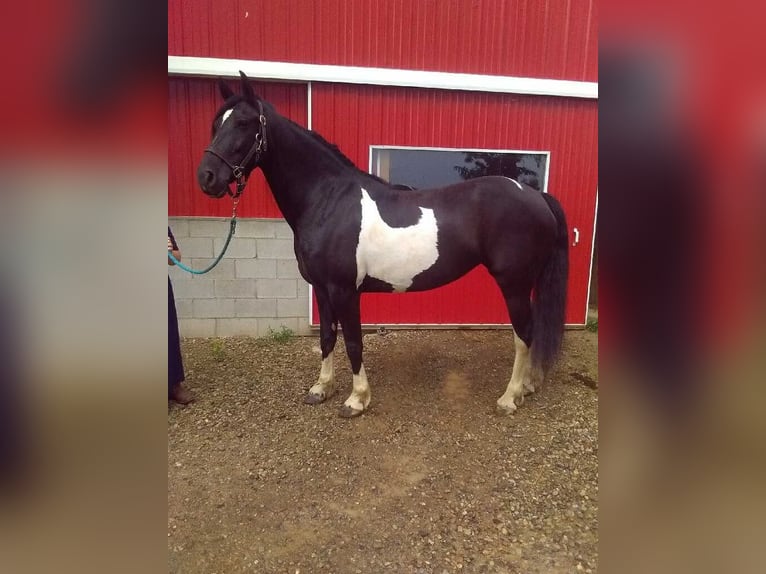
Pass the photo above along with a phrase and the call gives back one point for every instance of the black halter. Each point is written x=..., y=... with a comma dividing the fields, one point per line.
x=258, y=147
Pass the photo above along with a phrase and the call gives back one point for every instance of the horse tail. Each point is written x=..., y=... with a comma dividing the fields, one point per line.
x=551, y=294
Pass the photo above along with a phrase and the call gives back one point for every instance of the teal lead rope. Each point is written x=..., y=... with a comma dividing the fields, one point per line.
x=232, y=228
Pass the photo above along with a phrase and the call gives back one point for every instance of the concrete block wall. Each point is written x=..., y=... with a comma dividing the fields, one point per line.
x=256, y=286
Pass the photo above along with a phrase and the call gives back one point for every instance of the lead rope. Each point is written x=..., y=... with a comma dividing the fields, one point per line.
x=232, y=228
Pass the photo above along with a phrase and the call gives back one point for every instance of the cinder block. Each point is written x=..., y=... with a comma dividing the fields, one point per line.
x=255, y=307
x=194, y=288
x=239, y=248
x=224, y=269
x=303, y=288
x=197, y=327
x=257, y=228
x=304, y=328
x=288, y=269
x=275, y=249
x=177, y=274
x=194, y=247
x=256, y=268
x=184, y=309
x=292, y=308
x=179, y=226
x=283, y=230
x=235, y=288
x=275, y=324
x=213, y=308
x=275, y=288
x=213, y=227
x=237, y=327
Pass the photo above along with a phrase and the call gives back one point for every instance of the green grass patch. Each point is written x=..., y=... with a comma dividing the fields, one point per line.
x=217, y=349
x=281, y=335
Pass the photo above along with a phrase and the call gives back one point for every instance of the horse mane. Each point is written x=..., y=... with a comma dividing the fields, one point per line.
x=332, y=148
x=340, y=156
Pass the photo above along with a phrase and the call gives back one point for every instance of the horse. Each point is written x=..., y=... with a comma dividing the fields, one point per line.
x=354, y=233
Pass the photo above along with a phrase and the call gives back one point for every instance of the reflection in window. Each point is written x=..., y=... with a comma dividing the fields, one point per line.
x=423, y=168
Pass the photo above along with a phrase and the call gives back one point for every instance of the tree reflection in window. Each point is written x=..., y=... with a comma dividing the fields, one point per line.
x=437, y=167
x=524, y=168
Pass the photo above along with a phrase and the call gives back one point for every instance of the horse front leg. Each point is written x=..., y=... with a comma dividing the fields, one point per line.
x=324, y=388
x=346, y=303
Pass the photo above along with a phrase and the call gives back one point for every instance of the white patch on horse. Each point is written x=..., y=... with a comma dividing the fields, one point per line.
x=226, y=115
x=514, y=181
x=325, y=386
x=520, y=379
x=360, y=396
x=394, y=254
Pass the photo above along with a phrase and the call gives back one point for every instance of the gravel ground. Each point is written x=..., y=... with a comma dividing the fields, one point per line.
x=430, y=479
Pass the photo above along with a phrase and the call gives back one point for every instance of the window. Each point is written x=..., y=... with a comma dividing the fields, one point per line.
x=437, y=167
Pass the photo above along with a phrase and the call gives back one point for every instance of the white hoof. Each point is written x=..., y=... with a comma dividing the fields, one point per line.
x=506, y=408
x=347, y=412
x=319, y=393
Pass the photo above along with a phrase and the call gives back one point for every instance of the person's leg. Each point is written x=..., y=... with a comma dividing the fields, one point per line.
x=176, y=391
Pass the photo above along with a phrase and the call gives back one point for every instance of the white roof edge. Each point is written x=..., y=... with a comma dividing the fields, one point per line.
x=292, y=72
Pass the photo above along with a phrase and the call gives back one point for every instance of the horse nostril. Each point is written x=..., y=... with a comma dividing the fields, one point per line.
x=206, y=178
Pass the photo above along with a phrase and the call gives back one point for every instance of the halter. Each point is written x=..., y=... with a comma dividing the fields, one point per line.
x=258, y=147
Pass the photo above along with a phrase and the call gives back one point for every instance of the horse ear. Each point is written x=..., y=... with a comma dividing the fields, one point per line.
x=226, y=91
x=247, y=89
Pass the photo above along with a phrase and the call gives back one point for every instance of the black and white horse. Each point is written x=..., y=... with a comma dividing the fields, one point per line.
x=355, y=233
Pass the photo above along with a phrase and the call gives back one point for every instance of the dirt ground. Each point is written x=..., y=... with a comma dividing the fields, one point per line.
x=429, y=479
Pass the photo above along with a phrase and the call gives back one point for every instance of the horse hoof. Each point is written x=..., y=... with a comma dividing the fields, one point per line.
x=312, y=399
x=506, y=409
x=348, y=412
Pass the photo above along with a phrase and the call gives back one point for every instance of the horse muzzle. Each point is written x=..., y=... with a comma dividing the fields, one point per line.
x=212, y=185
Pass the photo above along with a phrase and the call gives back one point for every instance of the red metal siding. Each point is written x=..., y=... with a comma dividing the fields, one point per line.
x=191, y=105
x=530, y=38
x=355, y=117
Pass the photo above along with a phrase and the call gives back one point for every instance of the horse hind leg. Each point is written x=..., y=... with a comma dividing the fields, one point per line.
x=521, y=384
x=324, y=388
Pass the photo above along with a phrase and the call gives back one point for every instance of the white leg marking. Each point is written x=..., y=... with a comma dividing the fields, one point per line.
x=394, y=254
x=360, y=395
x=325, y=386
x=520, y=378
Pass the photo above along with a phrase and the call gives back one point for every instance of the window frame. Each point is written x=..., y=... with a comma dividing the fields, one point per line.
x=546, y=153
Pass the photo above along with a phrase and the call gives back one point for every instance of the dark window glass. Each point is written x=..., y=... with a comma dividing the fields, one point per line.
x=422, y=168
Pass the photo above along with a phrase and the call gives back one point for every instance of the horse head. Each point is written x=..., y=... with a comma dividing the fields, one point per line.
x=238, y=140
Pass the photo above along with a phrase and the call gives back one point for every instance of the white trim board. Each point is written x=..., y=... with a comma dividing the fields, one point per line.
x=592, y=253
x=292, y=72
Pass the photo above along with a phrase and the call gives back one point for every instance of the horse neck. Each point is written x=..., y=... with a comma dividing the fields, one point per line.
x=293, y=163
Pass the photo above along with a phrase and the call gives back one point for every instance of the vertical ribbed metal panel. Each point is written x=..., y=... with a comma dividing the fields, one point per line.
x=191, y=105
x=532, y=38
x=355, y=117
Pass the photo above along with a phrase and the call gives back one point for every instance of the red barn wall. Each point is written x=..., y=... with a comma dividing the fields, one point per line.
x=527, y=38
